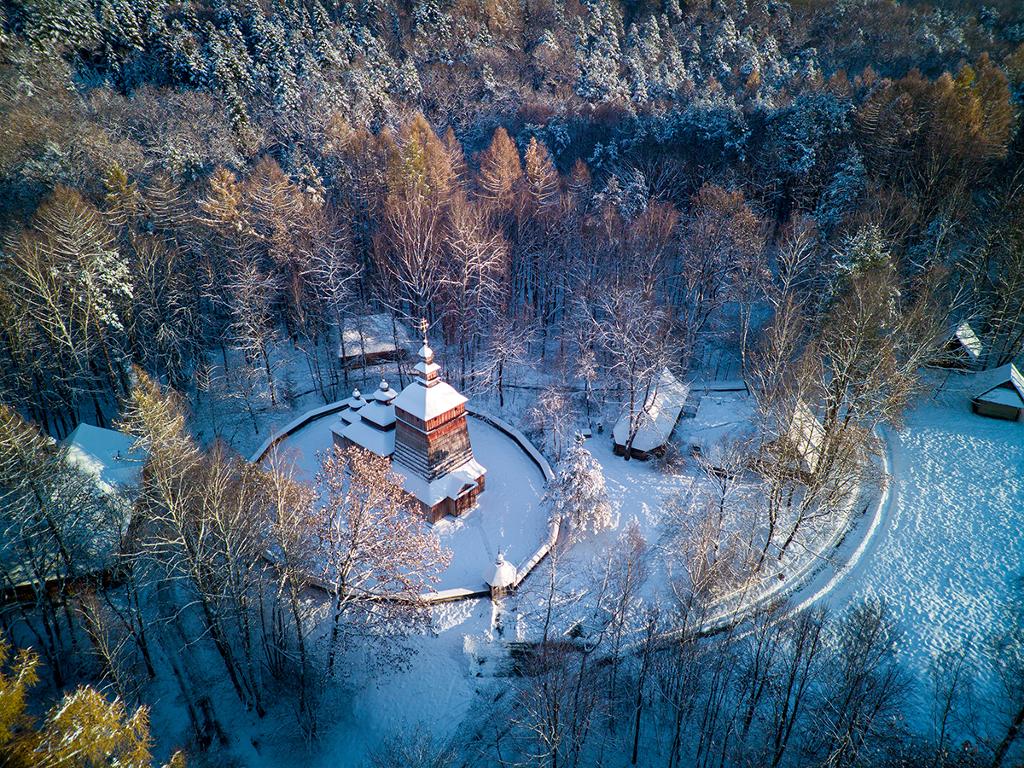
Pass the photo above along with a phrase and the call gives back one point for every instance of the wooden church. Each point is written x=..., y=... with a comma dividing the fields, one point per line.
x=423, y=430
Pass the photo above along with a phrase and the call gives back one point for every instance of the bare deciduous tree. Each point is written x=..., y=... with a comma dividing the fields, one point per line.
x=378, y=555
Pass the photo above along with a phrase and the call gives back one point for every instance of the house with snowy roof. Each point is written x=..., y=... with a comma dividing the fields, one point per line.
x=109, y=462
x=722, y=425
x=371, y=339
x=1005, y=400
x=108, y=456
x=423, y=431
x=658, y=417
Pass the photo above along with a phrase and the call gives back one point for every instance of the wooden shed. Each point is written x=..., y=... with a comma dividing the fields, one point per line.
x=373, y=339
x=1006, y=399
x=963, y=351
x=657, y=418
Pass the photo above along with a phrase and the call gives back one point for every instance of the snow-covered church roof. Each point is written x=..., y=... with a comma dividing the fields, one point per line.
x=427, y=397
x=426, y=403
x=370, y=423
x=450, y=485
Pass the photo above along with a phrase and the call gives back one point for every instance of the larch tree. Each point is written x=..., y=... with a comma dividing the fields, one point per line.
x=499, y=176
x=83, y=729
x=542, y=180
x=70, y=285
x=409, y=248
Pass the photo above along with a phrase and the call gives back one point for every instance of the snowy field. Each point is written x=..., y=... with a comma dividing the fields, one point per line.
x=950, y=550
x=509, y=517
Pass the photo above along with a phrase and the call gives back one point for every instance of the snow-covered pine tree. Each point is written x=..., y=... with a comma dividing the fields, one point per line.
x=119, y=27
x=186, y=62
x=598, y=53
x=54, y=25
x=406, y=80
x=839, y=197
x=636, y=67
x=281, y=69
x=577, y=494
x=672, y=71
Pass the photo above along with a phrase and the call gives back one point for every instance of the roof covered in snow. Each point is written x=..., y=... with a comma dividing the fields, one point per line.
x=969, y=339
x=448, y=486
x=109, y=459
x=427, y=397
x=1009, y=390
x=107, y=455
x=660, y=414
x=373, y=335
x=356, y=401
x=365, y=435
x=722, y=420
x=380, y=414
x=369, y=424
x=806, y=435
x=385, y=393
x=502, y=574
x=428, y=402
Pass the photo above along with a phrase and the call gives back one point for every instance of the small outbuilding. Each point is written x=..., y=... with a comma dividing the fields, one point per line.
x=1005, y=400
x=658, y=418
x=372, y=339
x=502, y=577
x=806, y=436
x=963, y=351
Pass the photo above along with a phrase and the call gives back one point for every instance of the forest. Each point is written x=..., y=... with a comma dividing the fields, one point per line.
x=199, y=198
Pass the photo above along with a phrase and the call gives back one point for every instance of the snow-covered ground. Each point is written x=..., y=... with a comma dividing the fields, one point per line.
x=945, y=555
x=949, y=552
x=433, y=694
x=510, y=516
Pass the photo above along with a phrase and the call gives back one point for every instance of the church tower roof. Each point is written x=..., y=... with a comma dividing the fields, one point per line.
x=427, y=397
